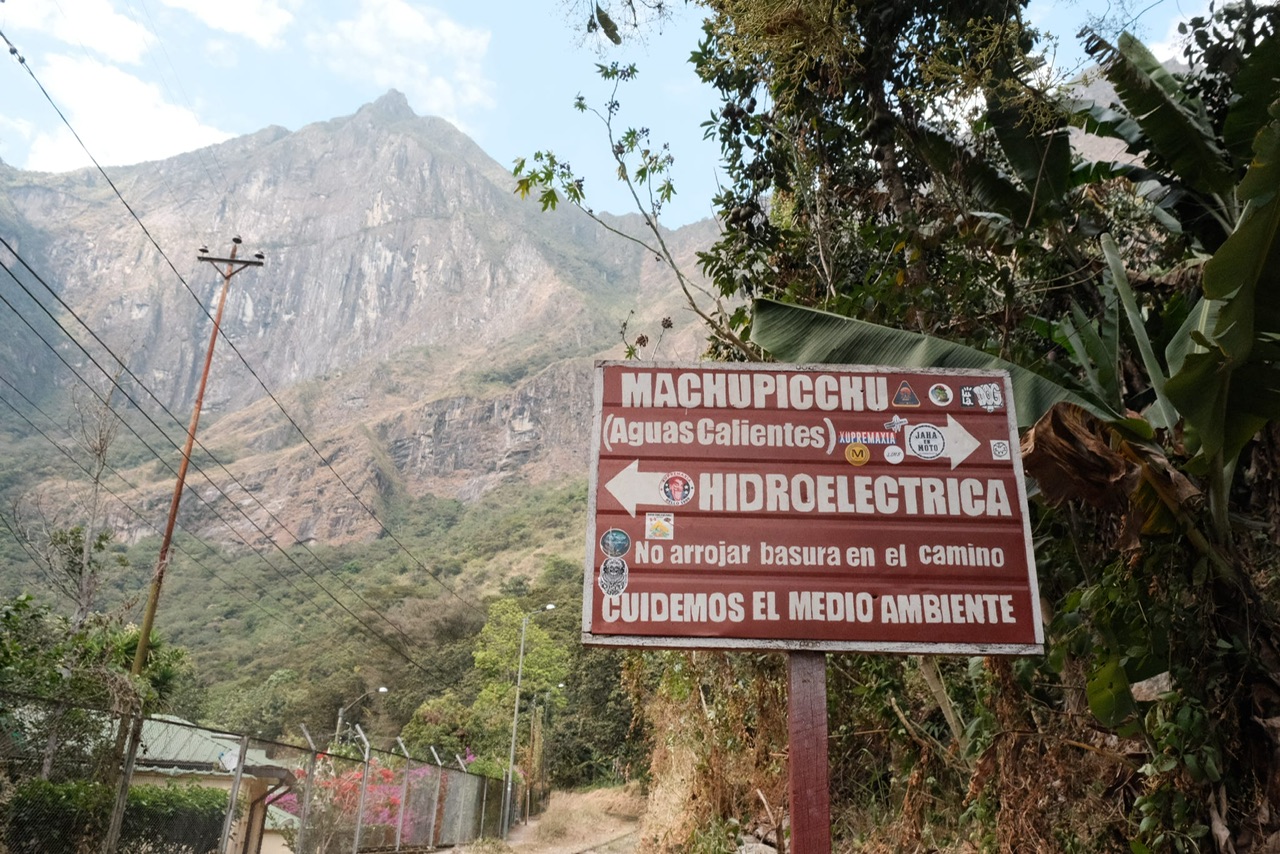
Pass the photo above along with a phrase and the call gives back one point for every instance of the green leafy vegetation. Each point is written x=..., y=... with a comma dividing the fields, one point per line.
x=901, y=188
x=448, y=656
x=43, y=817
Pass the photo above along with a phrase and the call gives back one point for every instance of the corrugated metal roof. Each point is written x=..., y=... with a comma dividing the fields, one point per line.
x=172, y=745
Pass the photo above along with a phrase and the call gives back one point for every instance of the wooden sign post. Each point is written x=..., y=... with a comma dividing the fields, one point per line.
x=808, y=509
x=808, y=785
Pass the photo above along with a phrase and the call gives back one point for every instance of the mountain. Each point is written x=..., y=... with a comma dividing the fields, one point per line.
x=427, y=330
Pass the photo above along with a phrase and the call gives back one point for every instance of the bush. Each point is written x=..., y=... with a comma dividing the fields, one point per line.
x=59, y=818
x=53, y=818
x=173, y=819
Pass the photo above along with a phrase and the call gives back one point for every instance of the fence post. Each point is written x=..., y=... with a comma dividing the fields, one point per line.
x=126, y=776
x=364, y=787
x=435, y=801
x=404, y=791
x=484, y=799
x=306, y=791
x=235, y=793
x=459, y=813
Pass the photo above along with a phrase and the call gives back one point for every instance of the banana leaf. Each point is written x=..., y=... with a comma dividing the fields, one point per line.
x=1175, y=129
x=1256, y=85
x=992, y=190
x=1228, y=384
x=1166, y=415
x=1041, y=156
x=796, y=334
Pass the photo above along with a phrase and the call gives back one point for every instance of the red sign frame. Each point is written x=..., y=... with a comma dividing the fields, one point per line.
x=819, y=507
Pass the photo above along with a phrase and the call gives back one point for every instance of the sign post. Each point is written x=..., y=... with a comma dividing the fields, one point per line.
x=808, y=509
x=808, y=788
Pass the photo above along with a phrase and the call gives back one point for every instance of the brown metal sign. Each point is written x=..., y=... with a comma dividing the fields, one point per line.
x=815, y=507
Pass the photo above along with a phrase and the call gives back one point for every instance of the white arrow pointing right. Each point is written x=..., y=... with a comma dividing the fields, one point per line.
x=960, y=444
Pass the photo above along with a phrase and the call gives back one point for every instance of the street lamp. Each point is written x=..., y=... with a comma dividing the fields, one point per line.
x=515, y=719
x=337, y=731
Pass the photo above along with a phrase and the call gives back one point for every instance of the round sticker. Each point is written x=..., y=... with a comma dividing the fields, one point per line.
x=893, y=455
x=857, y=454
x=615, y=543
x=926, y=441
x=941, y=394
x=677, y=488
x=613, y=576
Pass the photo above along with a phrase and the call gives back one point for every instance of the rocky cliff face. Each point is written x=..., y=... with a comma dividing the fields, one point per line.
x=426, y=329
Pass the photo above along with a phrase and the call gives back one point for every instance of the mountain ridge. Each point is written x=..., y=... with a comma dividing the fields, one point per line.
x=424, y=325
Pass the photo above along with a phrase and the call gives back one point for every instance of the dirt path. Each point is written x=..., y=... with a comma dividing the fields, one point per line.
x=526, y=841
x=604, y=821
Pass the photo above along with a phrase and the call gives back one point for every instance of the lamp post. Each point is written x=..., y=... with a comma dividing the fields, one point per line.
x=515, y=719
x=337, y=731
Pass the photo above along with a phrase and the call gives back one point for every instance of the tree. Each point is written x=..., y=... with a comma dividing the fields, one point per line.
x=73, y=558
x=335, y=802
x=498, y=649
x=1133, y=301
x=65, y=677
x=1136, y=606
x=474, y=719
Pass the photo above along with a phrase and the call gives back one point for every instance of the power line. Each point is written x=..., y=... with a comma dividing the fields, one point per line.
x=199, y=153
x=199, y=468
x=264, y=591
x=221, y=518
x=284, y=576
x=88, y=56
x=292, y=421
x=22, y=541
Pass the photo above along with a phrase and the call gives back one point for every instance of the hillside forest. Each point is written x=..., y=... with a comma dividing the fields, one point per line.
x=907, y=184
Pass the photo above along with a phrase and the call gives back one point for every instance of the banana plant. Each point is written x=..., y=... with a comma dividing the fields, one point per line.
x=1222, y=384
x=1223, y=380
x=1185, y=171
x=1226, y=378
x=1038, y=183
x=1170, y=131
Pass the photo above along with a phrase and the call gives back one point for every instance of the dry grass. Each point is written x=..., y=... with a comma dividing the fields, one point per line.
x=581, y=821
x=486, y=846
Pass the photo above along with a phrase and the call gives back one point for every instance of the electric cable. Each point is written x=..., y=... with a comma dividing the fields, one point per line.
x=199, y=152
x=374, y=633
x=197, y=465
x=22, y=541
x=292, y=421
x=262, y=590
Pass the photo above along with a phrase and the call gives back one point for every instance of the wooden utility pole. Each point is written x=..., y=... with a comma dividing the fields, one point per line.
x=234, y=265
x=130, y=745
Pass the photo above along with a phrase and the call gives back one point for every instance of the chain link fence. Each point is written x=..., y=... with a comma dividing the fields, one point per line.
x=195, y=790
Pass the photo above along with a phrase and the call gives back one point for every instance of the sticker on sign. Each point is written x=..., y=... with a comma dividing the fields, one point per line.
x=808, y=507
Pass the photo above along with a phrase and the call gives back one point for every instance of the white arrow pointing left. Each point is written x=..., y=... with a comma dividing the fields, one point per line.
x=632, y=486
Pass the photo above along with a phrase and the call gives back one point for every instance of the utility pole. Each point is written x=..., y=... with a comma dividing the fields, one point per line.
x=234, y=266
x=130, y=745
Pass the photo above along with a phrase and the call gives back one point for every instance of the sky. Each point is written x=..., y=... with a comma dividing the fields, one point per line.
x=141, y=80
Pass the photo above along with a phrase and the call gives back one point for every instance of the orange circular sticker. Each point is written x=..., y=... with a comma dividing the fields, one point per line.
x=857, y=454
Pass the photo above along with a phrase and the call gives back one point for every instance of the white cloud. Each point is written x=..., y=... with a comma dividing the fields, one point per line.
x=120, y=118
x=1171, y=43
x=91, y=24
x=412, y=47
x=10, y=130
x=221, y=53
x=261, y=21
